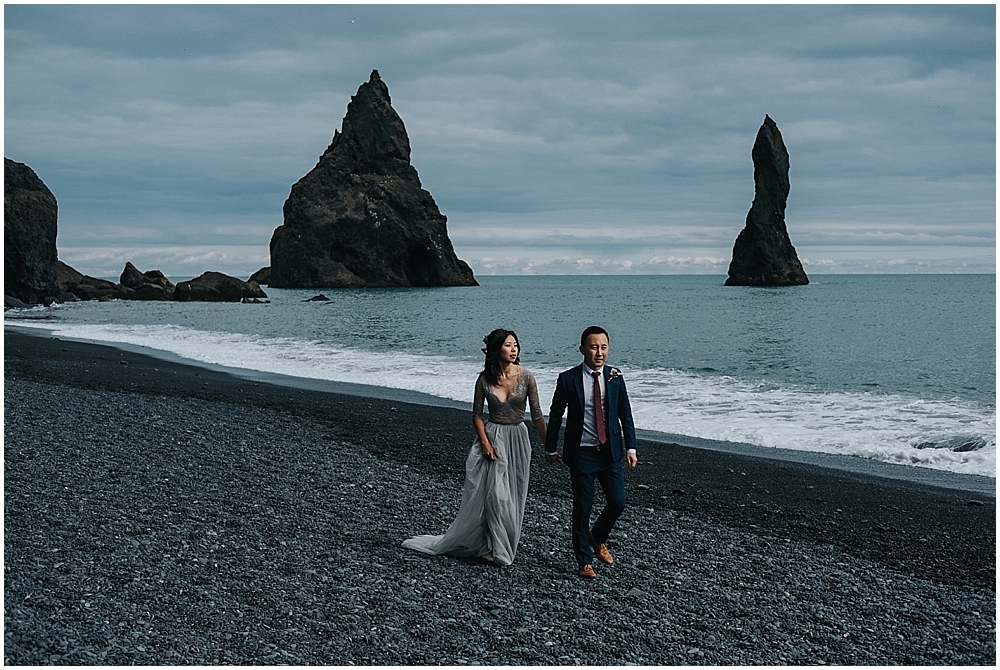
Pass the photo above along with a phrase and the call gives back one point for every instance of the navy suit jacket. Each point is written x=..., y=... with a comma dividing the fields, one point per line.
x=568, y=398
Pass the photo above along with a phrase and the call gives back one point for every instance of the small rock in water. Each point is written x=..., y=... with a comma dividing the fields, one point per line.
x=317, y=298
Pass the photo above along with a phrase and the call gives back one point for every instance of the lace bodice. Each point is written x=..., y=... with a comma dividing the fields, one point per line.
x=510, y=410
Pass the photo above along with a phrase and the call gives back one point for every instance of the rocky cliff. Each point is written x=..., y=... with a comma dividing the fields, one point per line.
x=360, y=217
x=763, y=254
x=29, y=235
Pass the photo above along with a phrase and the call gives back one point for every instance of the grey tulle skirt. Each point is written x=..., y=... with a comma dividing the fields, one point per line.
x=489, y=520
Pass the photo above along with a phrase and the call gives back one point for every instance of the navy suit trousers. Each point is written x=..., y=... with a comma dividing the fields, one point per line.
x=593, y=465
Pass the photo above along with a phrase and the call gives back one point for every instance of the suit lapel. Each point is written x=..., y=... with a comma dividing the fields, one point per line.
x=577, y=373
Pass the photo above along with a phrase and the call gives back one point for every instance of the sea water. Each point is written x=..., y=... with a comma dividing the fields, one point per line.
x=897, y=368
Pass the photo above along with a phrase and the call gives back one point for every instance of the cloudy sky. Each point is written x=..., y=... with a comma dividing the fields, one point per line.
x=556, y=139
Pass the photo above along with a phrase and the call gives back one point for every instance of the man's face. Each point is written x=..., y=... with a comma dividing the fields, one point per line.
x=595, y=350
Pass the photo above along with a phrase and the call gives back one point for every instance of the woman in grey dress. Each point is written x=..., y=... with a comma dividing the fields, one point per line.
x=488, y=524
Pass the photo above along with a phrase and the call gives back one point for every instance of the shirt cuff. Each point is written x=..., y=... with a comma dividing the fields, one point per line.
x=551, y=453
x=631, y=451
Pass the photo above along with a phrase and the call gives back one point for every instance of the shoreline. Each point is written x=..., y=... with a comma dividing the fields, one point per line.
x=852, y=464
x=159, y=512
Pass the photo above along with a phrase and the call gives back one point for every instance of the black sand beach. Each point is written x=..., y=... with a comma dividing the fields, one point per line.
x=159, y=513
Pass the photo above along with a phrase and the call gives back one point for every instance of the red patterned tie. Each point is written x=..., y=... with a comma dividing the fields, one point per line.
x=602, y=435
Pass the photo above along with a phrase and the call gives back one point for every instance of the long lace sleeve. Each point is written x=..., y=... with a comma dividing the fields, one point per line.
x=479, y=399
x=533, y=404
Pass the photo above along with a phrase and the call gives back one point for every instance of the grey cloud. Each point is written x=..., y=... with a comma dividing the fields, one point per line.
x=187, y=125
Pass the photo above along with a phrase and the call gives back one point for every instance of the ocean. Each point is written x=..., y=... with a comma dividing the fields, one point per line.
x=895, y=368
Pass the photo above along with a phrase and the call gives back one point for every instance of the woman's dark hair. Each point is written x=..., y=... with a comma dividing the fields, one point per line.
x=494, y=344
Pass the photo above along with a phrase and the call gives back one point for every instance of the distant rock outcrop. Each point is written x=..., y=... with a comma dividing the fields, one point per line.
x=360, y=217
x=29, y=236
x=253, y=291
x=152, y=285
x=217, y=287
x=262, y=276
x=763, y=254
x=83, y=287
x=10, y=302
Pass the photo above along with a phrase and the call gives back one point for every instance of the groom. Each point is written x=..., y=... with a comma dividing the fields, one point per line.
x=598, y=418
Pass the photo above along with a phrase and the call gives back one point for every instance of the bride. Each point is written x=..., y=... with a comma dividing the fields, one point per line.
x=488, y=524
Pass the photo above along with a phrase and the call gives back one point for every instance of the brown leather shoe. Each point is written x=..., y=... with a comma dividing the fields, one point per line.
x=601, y=552
x=587, y=572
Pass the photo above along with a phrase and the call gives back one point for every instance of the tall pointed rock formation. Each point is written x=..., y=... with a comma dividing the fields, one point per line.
x=763, y=254
x=360, y=217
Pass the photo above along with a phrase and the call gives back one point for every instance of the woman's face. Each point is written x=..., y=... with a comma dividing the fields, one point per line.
x=509, y=350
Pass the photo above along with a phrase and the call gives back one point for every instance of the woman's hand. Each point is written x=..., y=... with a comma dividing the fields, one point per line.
x=489, y=452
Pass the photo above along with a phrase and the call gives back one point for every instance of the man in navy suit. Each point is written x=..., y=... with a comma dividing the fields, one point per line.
x=600, y=435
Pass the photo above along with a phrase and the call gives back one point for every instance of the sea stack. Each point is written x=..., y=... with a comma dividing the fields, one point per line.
x=360, y=217
x=763, y=254
x=29, y=237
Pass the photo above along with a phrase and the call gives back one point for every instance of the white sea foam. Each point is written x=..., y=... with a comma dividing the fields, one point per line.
x=884, y=427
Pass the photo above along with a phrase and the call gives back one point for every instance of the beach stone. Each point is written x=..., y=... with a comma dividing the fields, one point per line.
x=256, y=532
x=360, y=217
x=29, y=235
x=763, y=254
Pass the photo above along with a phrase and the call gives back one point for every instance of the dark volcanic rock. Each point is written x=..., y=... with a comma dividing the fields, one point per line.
x=763, y=255
x=217, y=287
x=10, y=302
x=253, y=290
x=152, y=285
x=130, y=276
x=262, y=276
x=360, y=217
x=84, y=287
x=29, y=235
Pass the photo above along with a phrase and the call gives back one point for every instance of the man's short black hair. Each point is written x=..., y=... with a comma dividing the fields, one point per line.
x=593, y=330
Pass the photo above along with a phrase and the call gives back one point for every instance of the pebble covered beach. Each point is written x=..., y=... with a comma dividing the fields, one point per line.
x=159, y=513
